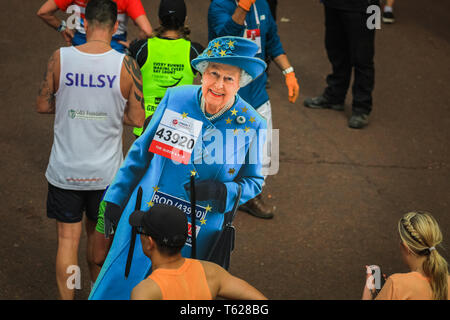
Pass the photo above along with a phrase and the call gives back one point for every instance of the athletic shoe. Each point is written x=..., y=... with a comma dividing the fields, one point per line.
x=388, y=17
x=358, y=121
x=321, y=102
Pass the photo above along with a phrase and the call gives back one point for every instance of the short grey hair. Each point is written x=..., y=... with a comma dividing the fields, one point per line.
x=244, y=78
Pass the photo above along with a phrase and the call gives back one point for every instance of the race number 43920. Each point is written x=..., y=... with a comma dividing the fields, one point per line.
x=175, y=136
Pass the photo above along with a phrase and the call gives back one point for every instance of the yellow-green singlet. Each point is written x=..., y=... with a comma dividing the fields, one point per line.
x=168, y=65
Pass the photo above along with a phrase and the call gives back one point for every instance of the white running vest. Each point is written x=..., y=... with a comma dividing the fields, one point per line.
x=87, y=145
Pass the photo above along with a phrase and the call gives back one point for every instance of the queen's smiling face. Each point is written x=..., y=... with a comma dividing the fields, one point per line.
x=220, y=83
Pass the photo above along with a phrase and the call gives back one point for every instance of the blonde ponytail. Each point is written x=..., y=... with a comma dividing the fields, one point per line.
x=436, y=268
x=421, y=233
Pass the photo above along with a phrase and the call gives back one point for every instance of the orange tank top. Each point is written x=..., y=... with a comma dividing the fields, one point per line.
x=185, y=283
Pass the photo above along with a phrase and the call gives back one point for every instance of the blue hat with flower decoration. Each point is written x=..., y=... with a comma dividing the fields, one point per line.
x=235, y=51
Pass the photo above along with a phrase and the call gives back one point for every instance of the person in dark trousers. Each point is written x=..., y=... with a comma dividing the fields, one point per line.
x=350, y=47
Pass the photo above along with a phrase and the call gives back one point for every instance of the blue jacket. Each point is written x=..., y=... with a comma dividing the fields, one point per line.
x=220, y=24
x=163, y=180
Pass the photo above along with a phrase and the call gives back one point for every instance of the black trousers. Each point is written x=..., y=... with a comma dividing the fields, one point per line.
x=350, y=46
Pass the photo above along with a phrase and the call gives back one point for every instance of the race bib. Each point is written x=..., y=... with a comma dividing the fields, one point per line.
x=176, y=136
x=255, y=36
x=185, y=206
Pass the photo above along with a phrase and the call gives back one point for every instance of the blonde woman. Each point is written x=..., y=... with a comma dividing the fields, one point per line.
x=428, y=279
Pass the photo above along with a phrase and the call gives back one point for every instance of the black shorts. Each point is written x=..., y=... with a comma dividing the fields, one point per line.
x=68, y=205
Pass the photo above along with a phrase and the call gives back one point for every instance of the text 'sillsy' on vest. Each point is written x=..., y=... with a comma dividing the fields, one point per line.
x=168, y=65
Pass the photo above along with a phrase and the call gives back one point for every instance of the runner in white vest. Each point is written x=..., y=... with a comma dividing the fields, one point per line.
x=92, y=90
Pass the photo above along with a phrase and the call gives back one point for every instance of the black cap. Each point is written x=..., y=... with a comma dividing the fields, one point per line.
x=166, y=224
x=172, y=13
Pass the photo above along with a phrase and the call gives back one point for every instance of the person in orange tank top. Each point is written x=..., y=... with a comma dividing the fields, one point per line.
x=163, y=232
x=428, y=278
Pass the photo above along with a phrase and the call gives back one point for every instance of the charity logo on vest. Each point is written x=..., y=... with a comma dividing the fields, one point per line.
x=87, y=115
x=88, y=80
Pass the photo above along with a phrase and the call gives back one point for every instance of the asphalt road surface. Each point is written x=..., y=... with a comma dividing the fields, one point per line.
x=339, y=192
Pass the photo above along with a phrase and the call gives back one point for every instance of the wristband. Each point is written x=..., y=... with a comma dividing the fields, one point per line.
x=62, y=26
x=288, y=70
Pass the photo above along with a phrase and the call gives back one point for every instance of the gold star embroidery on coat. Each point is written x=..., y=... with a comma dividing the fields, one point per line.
x=155, y=188
x=216, y=45
x=223, y=53
x=203, y=221
x=209, y=53
x=244, y=109
x=193, y=173
x=208, y=208
x=231, y=171
x=150, y=203
x=228, y=121
x=235, y=131
x=252, y=119
x=184, y=115
x=230, y=44
x=246, y=129
x=233, y=111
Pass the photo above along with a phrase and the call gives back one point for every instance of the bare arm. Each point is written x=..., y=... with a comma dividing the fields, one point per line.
x=131, y=86
x=237, y=289
x=239, y=15
x=145, y=28
x=47, y=14
x=282, y=61
x=45, y=102
x=225, y=285
x=146, y=290
x=241, y=11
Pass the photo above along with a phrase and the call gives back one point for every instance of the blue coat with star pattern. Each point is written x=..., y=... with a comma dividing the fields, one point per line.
x=228, y=150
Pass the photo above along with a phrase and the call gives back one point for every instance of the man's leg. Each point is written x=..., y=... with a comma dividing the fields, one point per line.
x=97, y=244
x=66, y=256
x=97, y=250
x=94, y=268
x=337, y=46
x=362, y=46
x=66, y=207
